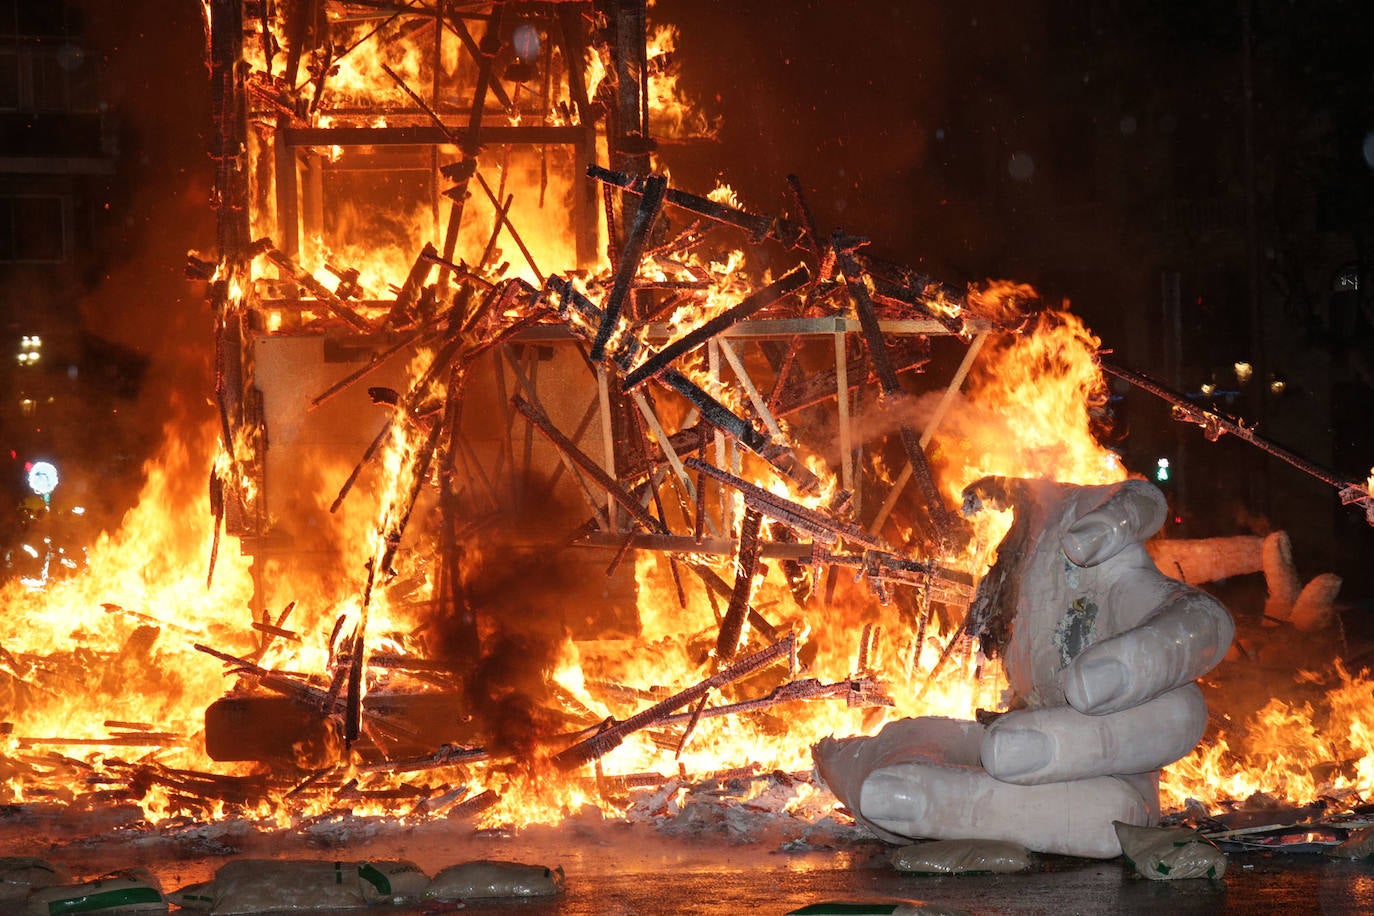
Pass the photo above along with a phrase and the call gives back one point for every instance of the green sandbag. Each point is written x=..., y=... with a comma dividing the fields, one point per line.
x=1170, y=853
x=114, y=895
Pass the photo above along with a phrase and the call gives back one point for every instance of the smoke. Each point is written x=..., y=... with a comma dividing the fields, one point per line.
x=527, y=602
x=146, y=330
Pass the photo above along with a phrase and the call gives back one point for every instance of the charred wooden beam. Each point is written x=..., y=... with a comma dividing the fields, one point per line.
x=363, y=371
x=785, y=285
x=693, y=718
x=603, y=742
x=891, y=294
x=323, y=294
x=353, y=692
x=456, y=24
x=649, y=206
x=133, y=739
x=811, y=239
x=792, y=514
x=446, y=756
x=716, y=585
x=751, y=391
x=946, y=401
x=945, y=524
x=1215, y=424
x=746, y=565
x=421, y=104
x=805, y=391
x=410, y=290
x=370, y=451
x=758, y=227
x=503, y=217
x=944, y=584
x=586, y=464
x=271, y=630
x=471, y=807
x=858, y=690
x=712, y=411
x=487, y=51
x=910, y=288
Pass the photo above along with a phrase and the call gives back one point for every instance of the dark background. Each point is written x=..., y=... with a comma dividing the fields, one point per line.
x=1194, y=179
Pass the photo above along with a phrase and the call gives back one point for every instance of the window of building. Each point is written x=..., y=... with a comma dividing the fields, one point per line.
x=34, y=228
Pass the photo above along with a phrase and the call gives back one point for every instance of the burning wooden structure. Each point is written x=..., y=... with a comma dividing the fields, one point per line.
x=470, y=336
x=727, y=409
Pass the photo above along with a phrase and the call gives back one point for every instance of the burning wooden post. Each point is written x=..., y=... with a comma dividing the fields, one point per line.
x=793, y=515
x=746, y=565
x=608, y=739
x=628, y=266
x=945, y=524
x=762, y=298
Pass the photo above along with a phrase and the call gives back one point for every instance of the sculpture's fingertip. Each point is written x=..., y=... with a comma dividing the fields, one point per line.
x=893, y=796
x=1014, y=754
x=1090, y=541
x=1097, y=685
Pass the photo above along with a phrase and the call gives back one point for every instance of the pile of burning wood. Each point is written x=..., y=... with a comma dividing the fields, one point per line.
x=759, y=430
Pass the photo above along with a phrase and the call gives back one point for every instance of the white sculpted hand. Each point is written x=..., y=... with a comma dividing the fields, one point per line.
x=1100, y=647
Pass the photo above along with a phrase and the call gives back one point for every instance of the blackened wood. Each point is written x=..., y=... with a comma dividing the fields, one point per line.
x=746, y=565
x=811, y=239
x=628, y=265
x=941, y=519
x=487, y=51
x=410, y=290
x=323, y=294
x=502, y=216
x=754, y=302
x=588, y=466
x=598, y=745
x=758, y=227
x=715, y=585
x=793, y=515
x=712, y=411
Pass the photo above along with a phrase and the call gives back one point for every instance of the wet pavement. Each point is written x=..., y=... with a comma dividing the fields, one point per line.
x=621, y=869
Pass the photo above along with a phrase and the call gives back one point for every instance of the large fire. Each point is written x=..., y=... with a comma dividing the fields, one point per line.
x=103, y=679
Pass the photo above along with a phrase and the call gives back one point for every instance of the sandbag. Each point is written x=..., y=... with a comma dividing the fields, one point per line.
x=491, y=878
x=1170, y=853
x=21, y=874
x=876, y=908
x=392, y=881
x=961, y=857
x=1359, y=845
x=126, y=892
x=199, y=897
x=257, y=885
